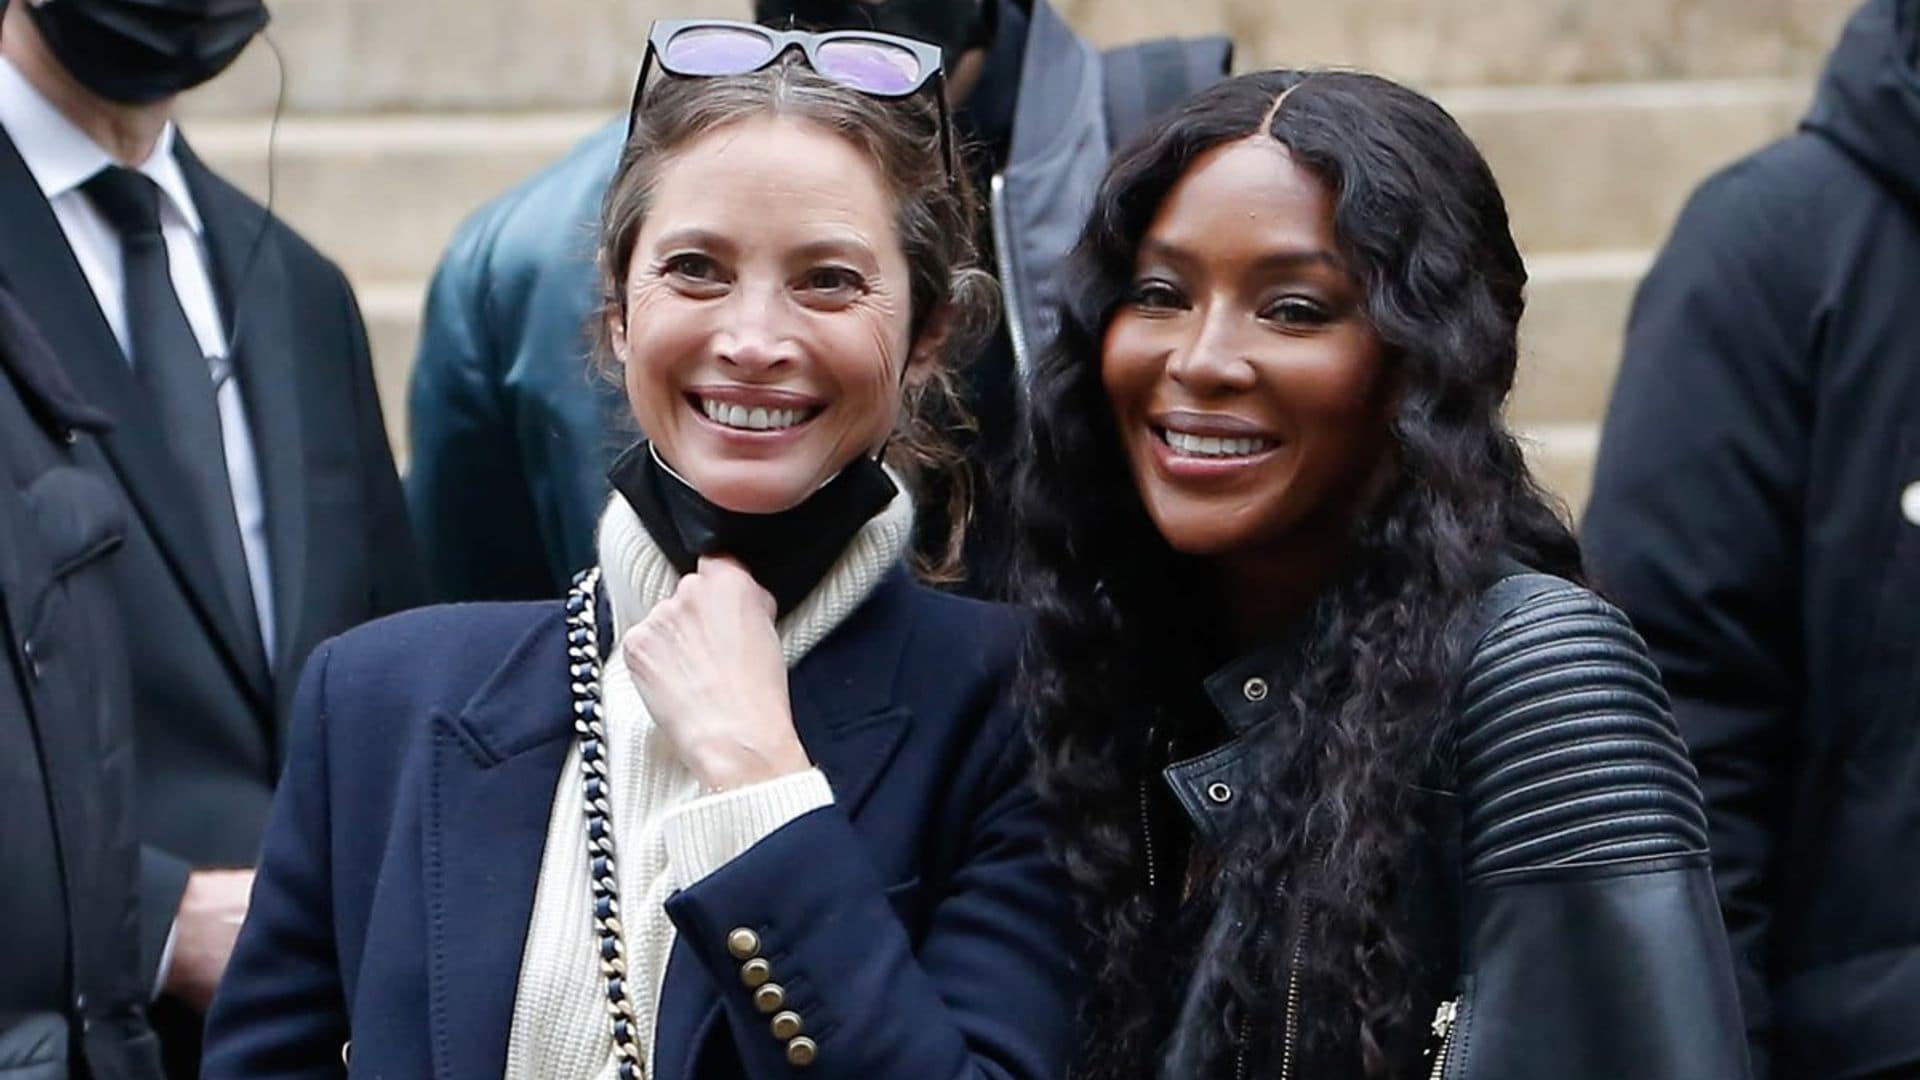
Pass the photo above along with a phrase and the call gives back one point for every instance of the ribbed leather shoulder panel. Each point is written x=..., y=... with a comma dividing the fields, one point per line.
x=1566, y=748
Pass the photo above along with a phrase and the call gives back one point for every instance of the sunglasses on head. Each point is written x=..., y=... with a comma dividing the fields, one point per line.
x=876, y=64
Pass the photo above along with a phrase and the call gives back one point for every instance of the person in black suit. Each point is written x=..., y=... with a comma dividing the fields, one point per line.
x=265, y=510
x=75, y=983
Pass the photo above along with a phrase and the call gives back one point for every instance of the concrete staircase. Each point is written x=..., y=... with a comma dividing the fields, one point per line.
x=1599, y=116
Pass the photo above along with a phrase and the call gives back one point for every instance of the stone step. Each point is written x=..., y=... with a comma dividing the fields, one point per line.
x=1562, y=457
x=1583, y=168
x=1570, y=338
x=1608, y=167
x=404, y=55
x=1471, y=42
x=383, y=194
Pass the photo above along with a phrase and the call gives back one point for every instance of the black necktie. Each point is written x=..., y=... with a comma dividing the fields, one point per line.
x=169, y=363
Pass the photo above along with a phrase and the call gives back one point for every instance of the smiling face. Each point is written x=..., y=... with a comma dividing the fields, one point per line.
x=766, y=320
x=1248, y=390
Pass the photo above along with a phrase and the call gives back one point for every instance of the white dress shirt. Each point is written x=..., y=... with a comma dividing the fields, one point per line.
x=61, y=157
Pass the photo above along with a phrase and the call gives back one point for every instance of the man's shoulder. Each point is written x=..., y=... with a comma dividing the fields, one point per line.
x=1763, y=197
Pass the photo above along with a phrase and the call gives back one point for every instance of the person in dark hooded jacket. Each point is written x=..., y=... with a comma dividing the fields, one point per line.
x=1756, y=512
x=511, y=434
x=77, y=960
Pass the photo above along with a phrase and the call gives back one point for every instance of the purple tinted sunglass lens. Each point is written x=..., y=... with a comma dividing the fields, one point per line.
x=716, y=51
x=872, y=66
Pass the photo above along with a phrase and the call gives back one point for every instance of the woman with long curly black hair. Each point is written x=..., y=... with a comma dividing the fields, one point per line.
x=1353, y=775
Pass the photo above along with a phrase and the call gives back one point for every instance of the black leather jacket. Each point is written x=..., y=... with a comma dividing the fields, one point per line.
x=1560, y=901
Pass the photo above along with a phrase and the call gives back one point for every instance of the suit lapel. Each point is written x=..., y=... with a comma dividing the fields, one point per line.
x=250, y=279
x=40, y=267
x=495, y=765
x=845, y=711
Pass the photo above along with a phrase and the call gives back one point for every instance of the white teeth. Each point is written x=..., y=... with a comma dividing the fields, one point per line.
x=1213, y=446
x=755, y=419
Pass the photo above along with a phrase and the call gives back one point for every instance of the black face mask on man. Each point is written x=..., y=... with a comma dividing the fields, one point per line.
x=139, y=51
x=788, y=553
x=954, y=25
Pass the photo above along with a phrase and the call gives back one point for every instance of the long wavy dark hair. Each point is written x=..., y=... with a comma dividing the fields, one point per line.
x=1127, y=628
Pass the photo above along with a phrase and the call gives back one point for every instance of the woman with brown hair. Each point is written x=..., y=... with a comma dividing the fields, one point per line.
x=751, y=802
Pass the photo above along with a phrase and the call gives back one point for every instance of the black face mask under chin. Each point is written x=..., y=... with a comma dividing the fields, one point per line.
x=140, y=51
x=788, y=552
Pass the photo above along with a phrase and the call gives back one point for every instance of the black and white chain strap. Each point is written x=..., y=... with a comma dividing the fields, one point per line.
x=589, y=726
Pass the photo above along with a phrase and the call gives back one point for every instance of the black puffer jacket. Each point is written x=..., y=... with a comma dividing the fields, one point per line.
x=74, y=968
x=1756, y=511
x=1560, y=904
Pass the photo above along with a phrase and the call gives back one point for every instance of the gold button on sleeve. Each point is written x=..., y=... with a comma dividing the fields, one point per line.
x=756, y=972
x=802, y=1051
x=770, y=997
x=788, y=1024
x=743, y=943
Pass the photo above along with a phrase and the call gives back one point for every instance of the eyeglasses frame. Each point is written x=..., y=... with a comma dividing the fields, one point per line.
x=932, y=64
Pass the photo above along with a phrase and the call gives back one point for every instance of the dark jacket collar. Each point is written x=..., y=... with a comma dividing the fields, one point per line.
x=1248, y=690
x=1058, y=150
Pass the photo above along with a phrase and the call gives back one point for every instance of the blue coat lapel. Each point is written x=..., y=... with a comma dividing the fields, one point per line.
x=845, y=711
x=495, y=765
x=843, y=693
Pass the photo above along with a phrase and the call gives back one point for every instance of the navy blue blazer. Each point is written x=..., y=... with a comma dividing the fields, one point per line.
x=917, y=924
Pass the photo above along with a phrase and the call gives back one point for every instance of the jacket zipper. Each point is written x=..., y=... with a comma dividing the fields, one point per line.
x=1444, y=1019
x=1293, y=1011
x=1293, y=1007
x=1001, y=219
x=1245, y=1027
x=1146, y=843
x=1293, y=963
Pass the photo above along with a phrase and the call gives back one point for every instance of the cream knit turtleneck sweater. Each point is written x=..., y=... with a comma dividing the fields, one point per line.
x=668, y=835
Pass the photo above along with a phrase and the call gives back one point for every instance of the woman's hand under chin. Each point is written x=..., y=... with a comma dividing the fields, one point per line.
x=708, y=666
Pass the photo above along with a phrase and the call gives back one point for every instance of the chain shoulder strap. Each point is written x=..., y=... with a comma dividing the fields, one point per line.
x=589, y=727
